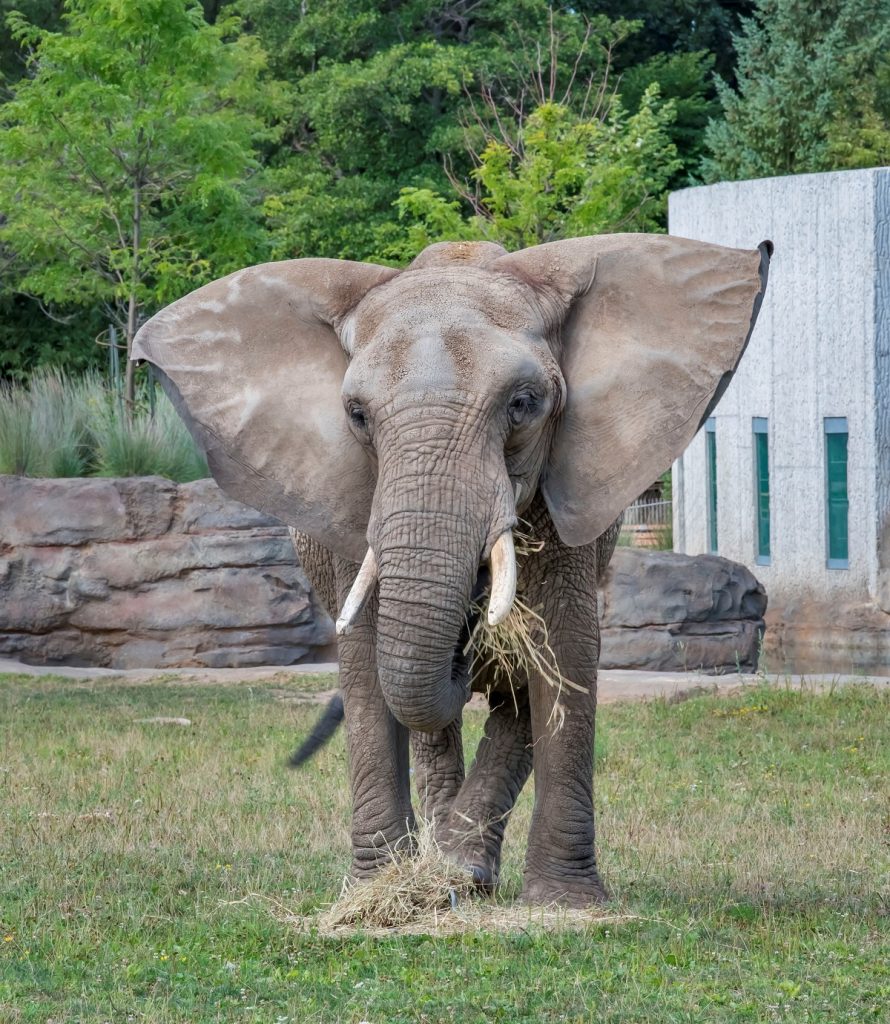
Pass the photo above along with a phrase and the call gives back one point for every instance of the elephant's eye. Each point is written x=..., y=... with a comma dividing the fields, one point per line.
x=523, y=405
x=357, y=416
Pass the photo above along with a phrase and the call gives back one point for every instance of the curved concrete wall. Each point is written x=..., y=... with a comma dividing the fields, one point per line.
x=821, y=348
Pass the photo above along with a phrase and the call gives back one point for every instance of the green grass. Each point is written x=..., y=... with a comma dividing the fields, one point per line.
x=72, y=426
x=144, y=868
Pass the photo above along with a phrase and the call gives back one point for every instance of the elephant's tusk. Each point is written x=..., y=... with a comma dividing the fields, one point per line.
x=358, y=596
x=503, y=578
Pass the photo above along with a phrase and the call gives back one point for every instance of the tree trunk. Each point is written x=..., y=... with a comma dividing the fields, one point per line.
x=133, y=306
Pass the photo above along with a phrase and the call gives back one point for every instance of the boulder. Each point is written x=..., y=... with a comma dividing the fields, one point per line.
x=670, y=612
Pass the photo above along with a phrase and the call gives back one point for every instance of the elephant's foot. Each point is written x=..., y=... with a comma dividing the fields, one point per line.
x=369, y=856
x=574, y=892
x=484, y=872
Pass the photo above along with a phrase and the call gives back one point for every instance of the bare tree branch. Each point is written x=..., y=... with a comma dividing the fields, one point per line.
x=47, y=310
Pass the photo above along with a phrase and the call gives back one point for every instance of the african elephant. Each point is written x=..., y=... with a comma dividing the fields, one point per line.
x=401, y=421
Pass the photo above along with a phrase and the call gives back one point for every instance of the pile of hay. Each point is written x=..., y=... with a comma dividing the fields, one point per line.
x=418, y=886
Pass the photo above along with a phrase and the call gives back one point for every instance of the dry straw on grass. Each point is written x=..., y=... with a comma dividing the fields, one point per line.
x=417, y=886
x=420, y=892
x=520, y=643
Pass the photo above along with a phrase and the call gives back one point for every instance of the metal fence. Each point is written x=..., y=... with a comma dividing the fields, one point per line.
x=648, y=513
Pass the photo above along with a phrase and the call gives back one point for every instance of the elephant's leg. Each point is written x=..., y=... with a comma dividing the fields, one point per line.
x=478, y=819
x=377, y=744
x=318, y=565
x=438, y=759
x=561, y=862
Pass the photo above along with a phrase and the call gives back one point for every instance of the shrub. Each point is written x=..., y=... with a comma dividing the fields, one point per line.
x=63, y=426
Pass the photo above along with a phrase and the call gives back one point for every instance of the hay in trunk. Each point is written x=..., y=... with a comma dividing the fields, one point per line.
x=520, y=643
x=417, y=887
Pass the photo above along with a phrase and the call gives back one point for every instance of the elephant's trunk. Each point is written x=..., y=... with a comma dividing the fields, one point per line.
x=425, y=592
x=443, y=497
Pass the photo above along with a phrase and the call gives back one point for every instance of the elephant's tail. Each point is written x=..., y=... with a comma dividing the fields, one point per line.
x=322, y=731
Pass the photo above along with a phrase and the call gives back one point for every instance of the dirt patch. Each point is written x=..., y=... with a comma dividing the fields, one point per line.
x=478, y=916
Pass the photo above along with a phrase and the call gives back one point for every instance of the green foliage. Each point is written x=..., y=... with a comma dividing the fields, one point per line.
x=382, y=96
x=863, y=139
x=684, y=80
x=29, y=338
x=131, y=147
x=152, y=145
x=561, y=177
x=673, y=28
x=44, y=13
x=142, y=159
x=812, y=91
x=68, y=426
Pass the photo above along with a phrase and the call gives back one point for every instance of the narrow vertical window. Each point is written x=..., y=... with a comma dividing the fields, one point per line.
x=836, y=502
x=711, y=448
x=761, y=488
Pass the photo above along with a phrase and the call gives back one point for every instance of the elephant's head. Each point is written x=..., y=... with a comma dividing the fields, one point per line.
x=404, y=418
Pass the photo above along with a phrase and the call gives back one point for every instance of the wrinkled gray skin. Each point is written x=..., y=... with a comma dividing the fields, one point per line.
x=471, y=811
x=447, y=470
x=455, y=389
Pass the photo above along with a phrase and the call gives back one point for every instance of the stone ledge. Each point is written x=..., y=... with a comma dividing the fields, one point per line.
x=145, y=573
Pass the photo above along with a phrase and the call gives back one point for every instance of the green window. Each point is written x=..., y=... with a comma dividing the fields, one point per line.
x=761, y=487
x=836, y=502
x=711, y=449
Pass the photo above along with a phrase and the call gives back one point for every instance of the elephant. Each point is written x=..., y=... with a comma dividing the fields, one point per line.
x=402, y=422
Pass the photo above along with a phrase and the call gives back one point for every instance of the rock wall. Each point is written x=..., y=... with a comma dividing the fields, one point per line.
x=818, y=636
x=144, y=573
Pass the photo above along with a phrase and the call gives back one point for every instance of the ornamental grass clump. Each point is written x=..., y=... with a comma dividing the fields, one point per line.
x=147, y=445
x=417, y=887
x=45, y=430
x=75, y=426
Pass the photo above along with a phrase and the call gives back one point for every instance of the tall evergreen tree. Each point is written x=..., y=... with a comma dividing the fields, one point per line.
x=804, y=74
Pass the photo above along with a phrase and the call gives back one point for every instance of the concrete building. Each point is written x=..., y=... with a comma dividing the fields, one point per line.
x=791, y=476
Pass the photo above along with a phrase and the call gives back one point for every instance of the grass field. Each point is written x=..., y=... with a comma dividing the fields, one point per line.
x=147, y=871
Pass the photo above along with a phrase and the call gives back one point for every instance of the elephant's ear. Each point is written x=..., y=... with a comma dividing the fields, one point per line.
x=254, y=366
x=654, y=330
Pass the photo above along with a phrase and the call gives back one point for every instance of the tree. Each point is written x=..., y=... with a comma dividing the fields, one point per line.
x=685, y=81
x=558, y=176
x=805, y=75
x=863, y=139
x=381, y=96
x=131, y=146
x=674, y=27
